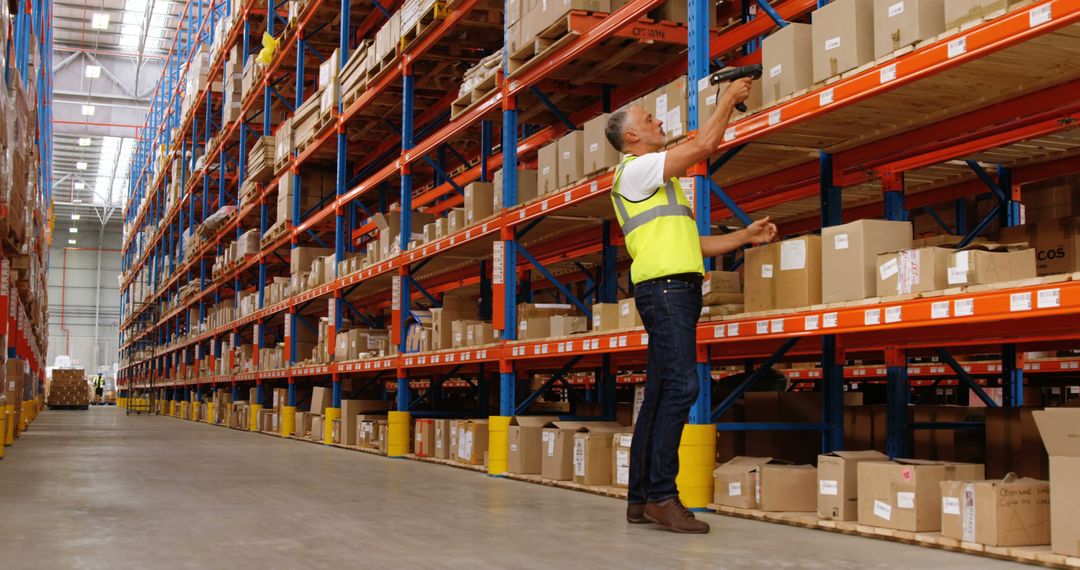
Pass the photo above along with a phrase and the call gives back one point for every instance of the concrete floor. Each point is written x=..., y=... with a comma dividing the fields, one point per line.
x=98, y=489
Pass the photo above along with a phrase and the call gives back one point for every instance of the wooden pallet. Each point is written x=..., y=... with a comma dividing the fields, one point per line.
x=348, y=97
x=275, y=232
x=388, y=61
x=473, y=96
x=546, y=42
x=427, y=22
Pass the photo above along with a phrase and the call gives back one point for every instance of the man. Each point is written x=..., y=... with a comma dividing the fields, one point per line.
x=99, y=389
x=667, y=271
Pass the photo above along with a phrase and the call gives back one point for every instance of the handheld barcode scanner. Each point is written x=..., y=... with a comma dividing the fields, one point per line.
x=732, y=73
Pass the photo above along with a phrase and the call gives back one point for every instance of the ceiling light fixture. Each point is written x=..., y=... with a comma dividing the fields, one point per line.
x=72, y=242
x=84, y=141
x=88, y=110
x=81, y=165
x=75, y=217
x=99, y=21
x=93, y=71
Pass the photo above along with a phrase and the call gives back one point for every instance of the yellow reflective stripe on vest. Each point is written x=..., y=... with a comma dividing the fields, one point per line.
x=672, y=208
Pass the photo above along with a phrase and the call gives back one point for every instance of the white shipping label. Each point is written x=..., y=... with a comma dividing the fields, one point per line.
x=840, y=241
x=1049, y=298
x=626, y=439
x=566, y=155
x=673, y=122
x=703, y=84
x=498, y=265
x=545, y=170
x=888, y=269
x=661, y=106
x=896, y=9
x=968, y=513
x=950, y=505
x=776, y=70
x=624, y=309
x=766, y=271
x=549, y=443
x=1020, y=301
x=832, y=43
x=939, y=310
x=594, y=147
x=579, y=457
x=882, y=510
x=905, y=500
x=734, y=489
x=964, y=307
x=961, y=260
x=957, y=276
x=793, y=255
x=622, y=467
x=706, y=287
x=826, y=487
x=710, y=100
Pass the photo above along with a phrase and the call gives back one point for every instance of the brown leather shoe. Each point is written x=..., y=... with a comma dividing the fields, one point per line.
x=672, y=515
x=635, y=514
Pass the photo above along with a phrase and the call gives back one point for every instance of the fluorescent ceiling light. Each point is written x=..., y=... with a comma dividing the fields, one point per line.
x=88, y=110
x=93, y=71
x=72, y=242
x=75, y=217
x=76, y=200
x=84, y=141
x=80, y=165
x=80, y=185
x=99, y=21
x=73, y=230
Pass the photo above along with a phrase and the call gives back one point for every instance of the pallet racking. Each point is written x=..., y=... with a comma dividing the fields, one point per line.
x=810, y=161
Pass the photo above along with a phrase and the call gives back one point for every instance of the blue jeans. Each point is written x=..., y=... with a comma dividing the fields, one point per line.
x=669, y=308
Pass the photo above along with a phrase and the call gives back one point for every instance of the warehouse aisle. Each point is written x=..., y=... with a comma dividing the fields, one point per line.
x=98, y=489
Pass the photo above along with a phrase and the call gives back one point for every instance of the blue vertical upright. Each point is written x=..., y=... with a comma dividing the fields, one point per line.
x=832, y=370
x=898, y=391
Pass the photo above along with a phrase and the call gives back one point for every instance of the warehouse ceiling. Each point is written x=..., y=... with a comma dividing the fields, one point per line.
x=107, y=59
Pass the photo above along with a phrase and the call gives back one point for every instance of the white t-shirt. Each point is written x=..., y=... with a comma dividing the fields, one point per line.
x=642, y=177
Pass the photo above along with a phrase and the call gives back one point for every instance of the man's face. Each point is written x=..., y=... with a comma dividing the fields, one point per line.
x=644, y=127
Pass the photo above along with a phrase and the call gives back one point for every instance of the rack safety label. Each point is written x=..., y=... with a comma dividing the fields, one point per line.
x=774, y=117
x=1049, y=298
x=288, y=325
x=888, y=73
x=939, y=310
x=777, y=325
x=396, y=294
x=763, y=327
x=893, y=314
x=718, y=331
x=733, y=329
x=964, y=307
x=333, y=309
x=825, y=97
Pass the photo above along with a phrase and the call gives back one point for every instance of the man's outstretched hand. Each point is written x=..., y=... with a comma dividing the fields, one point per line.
x=761, y=231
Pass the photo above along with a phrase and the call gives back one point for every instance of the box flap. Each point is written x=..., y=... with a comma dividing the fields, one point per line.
x=787, y=467
x=865, y=454
x=531, y=421
x=917, y=462
x=741, y=464
x=1060, y=430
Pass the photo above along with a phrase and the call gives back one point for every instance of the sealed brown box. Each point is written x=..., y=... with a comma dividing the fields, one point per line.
x=316, y=432
x=605, y=316
x=571, y=158
x=906, y=494
x=480, y=334
x=592, y=454
x=843, y=32
x=958, y=12
x=599, y=154
x=709, y=97
x=668, y=104
x=441, y=438
x=620, y=459
x=534, y=328
x=557, y=447
x=424, y=438
x=1060, y=431
x=524, y=435
x=787, y=62
x=838, y=483
x=787, y=488
x=1056, y=243
x=798, y=282
x=350, y=414
x=900, y=23
x=550, y=11
x=983, y=264
x=628, y=315
x=548, y=167
x=759, y=293
x=526, y=187
x=849, y=254
x=461, y=332
x=721, y=288
x=1012, y=512
x=565, y=325
x=320, y=400
x=472, y=443
x=913, y=271
x=735, y=482
x=479, y=202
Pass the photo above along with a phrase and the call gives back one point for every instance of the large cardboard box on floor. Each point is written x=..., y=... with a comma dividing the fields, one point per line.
x=759, y=292
x=557, y=446
x=599, y=154
x=906, y=494
x=1056, y=243
x=787, y=488
x=798, y=282
x=838, y=483
x=984, y=264
x=900, y=23
x=620, y=459
x=912, y=271
x=424, y=438
x=351, y=411
x=1012, y=512
x=443, y=428
x=843, y=32
x=592, y=454
x=524, y=435
x=1060, y=431
x=787, y=62
x=849, y=253
x=735, y=482
x=472, y=442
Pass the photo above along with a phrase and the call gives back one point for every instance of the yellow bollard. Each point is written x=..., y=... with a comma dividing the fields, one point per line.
x=253, y=417
x=3, y=428
x=210, y=413
x=498, y=444
x=397, y=437
x=328, y=424
x=9, y=436
x=288, y=420
x=697, y=457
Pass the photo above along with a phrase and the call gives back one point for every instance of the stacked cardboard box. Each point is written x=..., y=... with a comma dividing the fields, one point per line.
x=260, y=161
x=353, y=77
x=67, y=388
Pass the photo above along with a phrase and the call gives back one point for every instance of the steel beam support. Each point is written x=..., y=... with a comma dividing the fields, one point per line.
x=898, y=396
x=965, y=378
x=1012, y=377
x=752, y=378
x=552, y=107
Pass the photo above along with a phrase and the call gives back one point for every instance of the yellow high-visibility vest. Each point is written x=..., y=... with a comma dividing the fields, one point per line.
x=660, y=231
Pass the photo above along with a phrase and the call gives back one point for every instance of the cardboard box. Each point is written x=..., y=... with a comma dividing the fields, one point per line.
x=1013, y=445
x=849, y=254
x=472, y=442
x=798, y=283
x=527, y=187
x=912, y=271
x=481, y=334
x=479, y=202
x=787, y=488
x=669, y=104
x=1056, y=243
x=1060, y=431
x=620, y=459
x=566, y=325
x=316, y=433
x=592, y=454
x=628, y=315
x=710, y=95
x=442, y=438
x=350, y=414
x=900, y=23
x=1013, y=512
x=461, y=332
x=761, y=263
x=571, y=158
x=843, y=33
x=906, y=494
x=534, y=328
x=599, y=154
x=983, y=264
x=787, y=62
x=605, y=316
x=424, y=438
x=720, y=288
x=525, y=437
x=320, y=400
x=838, y=483
x=735, y=482
x=557, y=447
x=958, y=12
x=548, y=168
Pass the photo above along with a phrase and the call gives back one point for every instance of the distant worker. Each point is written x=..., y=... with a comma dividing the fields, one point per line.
x=99, y=389
x=667, y=270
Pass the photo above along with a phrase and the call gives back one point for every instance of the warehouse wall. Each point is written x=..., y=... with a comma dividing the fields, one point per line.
x=76, y=337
